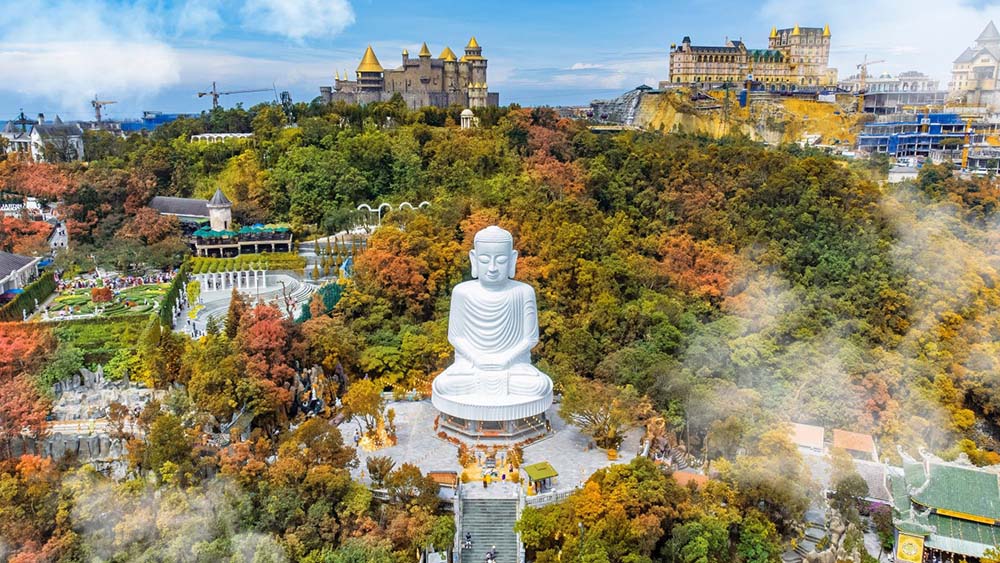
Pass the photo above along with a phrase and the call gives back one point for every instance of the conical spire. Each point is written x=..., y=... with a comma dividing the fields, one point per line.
x=424, y=51
x=448, y=55
x=774, y=32
x=338, y=75
x=796, y=31
x=219, y=199
x=406, y=53
x=473, y=44
x=369, y=62
x=990, y=34
x=826, y=30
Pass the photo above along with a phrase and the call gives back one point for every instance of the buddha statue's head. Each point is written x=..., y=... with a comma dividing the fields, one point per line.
x=493, y=257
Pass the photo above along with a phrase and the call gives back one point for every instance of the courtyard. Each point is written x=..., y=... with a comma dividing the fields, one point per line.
x=569, y=451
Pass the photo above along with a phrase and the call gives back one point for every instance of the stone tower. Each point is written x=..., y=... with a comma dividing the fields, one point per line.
x=220, y=214
x=474, y=55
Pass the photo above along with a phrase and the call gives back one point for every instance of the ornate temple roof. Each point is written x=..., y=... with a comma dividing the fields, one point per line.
x=369, y=62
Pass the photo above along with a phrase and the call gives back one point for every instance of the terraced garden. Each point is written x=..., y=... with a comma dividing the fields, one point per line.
x=139, y=300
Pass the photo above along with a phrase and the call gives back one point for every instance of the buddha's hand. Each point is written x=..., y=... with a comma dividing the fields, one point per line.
x=490, y=362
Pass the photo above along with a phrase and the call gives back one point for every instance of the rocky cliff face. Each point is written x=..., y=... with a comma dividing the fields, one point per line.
x=772, y=121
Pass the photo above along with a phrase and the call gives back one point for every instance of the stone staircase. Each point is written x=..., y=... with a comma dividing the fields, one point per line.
x=491, y=523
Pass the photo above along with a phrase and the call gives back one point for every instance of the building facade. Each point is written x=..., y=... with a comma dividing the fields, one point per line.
x=209, y=230
x=975, y=73
x=424, y=81
x=796, y=58
x=56, y=141
x=890, y=94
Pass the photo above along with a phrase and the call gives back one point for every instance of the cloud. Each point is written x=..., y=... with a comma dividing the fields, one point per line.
x=199, y=17
x=298, y=19
x=68, y=52
x=585, y=66
x=924, y=35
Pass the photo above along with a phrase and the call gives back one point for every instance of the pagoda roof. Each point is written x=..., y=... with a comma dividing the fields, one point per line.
x=540, y=470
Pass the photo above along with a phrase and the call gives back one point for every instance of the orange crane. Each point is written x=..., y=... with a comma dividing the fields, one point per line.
x=215, y=94
x=862, y=87
x=98, y=104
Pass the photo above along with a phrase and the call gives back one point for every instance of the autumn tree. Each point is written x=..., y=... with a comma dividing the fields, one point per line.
x=364, y=401
x=602, y=411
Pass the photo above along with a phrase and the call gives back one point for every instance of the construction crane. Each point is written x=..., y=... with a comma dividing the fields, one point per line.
x=863, y=67
x=98, y=104
x=967, y=143
x=215, y=94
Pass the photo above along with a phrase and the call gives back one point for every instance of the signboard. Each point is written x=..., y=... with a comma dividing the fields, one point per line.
x=910, y=548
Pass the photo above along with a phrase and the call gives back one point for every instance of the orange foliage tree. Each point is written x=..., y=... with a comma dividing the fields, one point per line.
x=22, y=236
x=41, y=180
x=101, y=294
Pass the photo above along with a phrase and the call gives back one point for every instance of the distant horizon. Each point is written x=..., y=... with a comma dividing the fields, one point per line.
x=156, y=57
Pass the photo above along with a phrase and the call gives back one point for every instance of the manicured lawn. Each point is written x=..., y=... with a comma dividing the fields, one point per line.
x=134, y=300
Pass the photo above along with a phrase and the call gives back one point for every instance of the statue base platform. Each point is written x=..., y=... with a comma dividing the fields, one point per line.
x=492, y=418
x=482, y=432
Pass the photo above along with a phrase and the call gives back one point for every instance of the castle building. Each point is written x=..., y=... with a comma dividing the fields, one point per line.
x=424, y=81
x=795, y=59
x=975, y=73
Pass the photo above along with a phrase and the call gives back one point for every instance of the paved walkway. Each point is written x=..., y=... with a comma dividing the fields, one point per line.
x=418, y=444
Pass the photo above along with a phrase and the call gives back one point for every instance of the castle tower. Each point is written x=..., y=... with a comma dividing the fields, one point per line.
x=220, y=214
x=371, y=76
x=450, y=62
x=474, y=56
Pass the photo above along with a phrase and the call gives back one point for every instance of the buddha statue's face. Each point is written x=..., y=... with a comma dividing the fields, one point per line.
x=493, y=262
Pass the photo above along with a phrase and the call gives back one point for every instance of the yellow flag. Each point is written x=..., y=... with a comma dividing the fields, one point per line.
x=910, y=548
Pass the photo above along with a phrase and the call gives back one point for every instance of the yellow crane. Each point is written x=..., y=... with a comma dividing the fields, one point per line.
x=965, y=147
x=862, y=86
x=98, y=104
x=215, y=93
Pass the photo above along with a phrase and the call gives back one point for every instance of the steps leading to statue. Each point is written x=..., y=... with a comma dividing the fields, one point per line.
x=491, y=522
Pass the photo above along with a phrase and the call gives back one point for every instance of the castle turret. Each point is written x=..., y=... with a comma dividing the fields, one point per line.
x=474, y=58
x=370, y=72
x=450, y=62
x=220, y=214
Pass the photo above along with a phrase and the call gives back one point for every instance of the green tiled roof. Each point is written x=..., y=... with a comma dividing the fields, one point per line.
x=205, y=232
x=968, y=490
x=265, y=229
x=962, y=536
x=539, y=471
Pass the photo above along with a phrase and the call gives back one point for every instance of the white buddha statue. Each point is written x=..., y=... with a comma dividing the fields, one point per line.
x=493, y=325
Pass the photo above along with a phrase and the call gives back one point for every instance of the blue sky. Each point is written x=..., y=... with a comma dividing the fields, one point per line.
x=55, y=55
